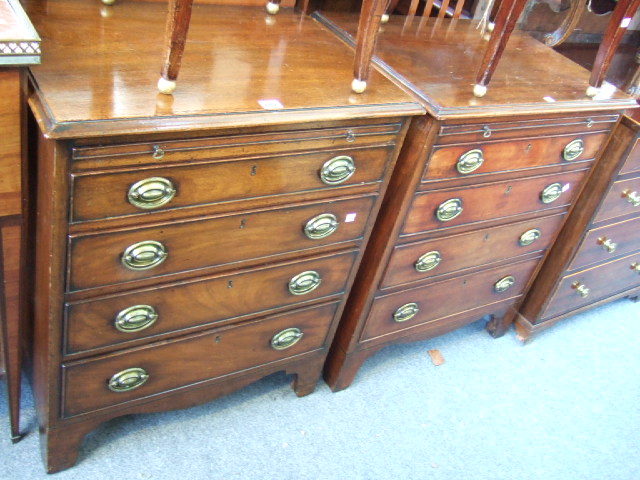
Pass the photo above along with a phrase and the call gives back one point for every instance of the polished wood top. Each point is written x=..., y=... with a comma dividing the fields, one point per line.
x=19, y=42
x=438, y=61
x=99, y=74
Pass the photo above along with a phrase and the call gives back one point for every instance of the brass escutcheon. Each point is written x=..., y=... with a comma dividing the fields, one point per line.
x=470, y=161
x=551, y=193
x=504, y=284
x=449, y=209
x=581, y=289
x=305, y=282
x=151, y=193
x=428, y=261
x=635, y=266
x=530, y=236
x=406, y=312
x=144, y=255
x=486, y=131
x=128, y=380
x=286, y=338
x=337, y=170
x=607, y=244
x=573, y=150
x=632, y=197
x=135, y=318
x=321, y=226
x=158, y=153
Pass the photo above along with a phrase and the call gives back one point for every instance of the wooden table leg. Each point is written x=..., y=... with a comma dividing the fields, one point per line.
x=178, y=19
x=368, y=26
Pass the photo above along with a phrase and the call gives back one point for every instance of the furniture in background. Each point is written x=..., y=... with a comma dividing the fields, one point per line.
x=19, y=47
x=480, y=189
x=188, y=245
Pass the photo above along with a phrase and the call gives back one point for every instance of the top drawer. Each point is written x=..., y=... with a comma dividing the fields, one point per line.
x=132, y=191
x=504, y=156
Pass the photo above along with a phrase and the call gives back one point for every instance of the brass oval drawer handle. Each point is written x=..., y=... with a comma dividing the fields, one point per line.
x=144, y=255
x=580, y=289
x=530, y=236
x=551, y=193
x=607, y=244
x=128, y=380
x=286, y=338
x=635, y=266
x=135, y=318
x=305, y=282
x=504, y=284
x=632, y=197
x=337, y=170
x=152, y=192
x=470, y=161
x=158, y=153
x=449, y=209
x=573, y=150
x=321, y=226
x=406, y=312
x=428, y=261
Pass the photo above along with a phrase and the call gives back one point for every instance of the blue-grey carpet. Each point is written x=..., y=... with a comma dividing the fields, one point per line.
x=564, y=407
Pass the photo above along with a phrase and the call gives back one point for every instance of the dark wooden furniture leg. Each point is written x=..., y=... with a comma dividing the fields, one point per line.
x=178, y=19
x=368, y=26
x=617, y=26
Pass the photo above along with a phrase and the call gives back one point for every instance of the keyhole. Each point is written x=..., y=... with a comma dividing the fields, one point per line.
x=486, y=237
x=218, y=338
x=243, y=223
x=508, y=190
x=528, y=148
x=230, y=284
x=254, y=170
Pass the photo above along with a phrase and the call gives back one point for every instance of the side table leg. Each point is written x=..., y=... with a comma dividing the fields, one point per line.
x=178, y=19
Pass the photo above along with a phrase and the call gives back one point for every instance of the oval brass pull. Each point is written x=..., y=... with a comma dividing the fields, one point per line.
x=286, y=338
x=128, y=380
x=428, y=261
x=573, y=150
x=607, y=244
x=151, y=193
x=144, y=255
x=632, y=197
x=635, y=266
x=337, y=170
x=504, y=284
x=449, y=209
x=158, y=153
x=470, y=161
x=135, y=318
x=305, y=282
x=551, y=193
x=406, y=312
x=530, y=236
x=581, y=289
x=321, y=226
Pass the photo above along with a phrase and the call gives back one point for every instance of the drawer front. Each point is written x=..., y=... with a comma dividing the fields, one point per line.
x=622, y=199
x=422, y=260
x=492, y=157
x=632, y=163
x=603, y=244
x=114, y=320
x=108, y=194
x=190, y=245
x=394, y=312
x=430, y=210
x=188, y=361
x=588, y=286
x=10, y=158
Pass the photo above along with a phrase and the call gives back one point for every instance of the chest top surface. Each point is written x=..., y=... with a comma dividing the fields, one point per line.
x=241, y=67
x=438, y=61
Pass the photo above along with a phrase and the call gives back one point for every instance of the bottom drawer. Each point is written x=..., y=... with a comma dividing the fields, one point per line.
x=589, y=286
x=146, y=371
x=417, y=306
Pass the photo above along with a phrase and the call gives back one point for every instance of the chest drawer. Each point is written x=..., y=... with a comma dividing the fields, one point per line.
x=601, y=244
x=503, y=156
x=450, y=207
x=98, y=195
x=142, y=314
x=588, y=286
x=150, y=370
x=417, y=306
x=422, y=260
x=130, y=255
x=623, y=199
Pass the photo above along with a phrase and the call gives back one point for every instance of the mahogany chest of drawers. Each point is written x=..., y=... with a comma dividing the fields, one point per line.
x=480, y=189
x=189, y=245
x=596, y=258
